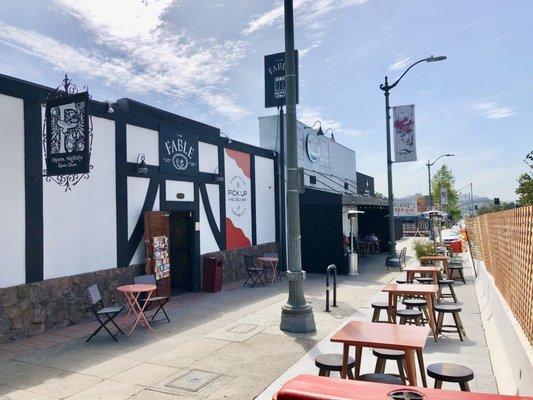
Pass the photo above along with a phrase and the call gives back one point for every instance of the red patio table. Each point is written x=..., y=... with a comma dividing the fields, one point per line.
x=132, y=293
x=269, y=262
x=310, y=387
x=407, y=338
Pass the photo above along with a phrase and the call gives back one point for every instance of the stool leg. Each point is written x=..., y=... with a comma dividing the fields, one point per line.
x=452, y=291
x=375, y=315
x=458, y=326
x=464, y=386
x=440, y=319
x=328, y=373
x=350, y=374
x=420, y=358
x=461, y=324
x=400, y=370
x=402, y=321
x=426, y=314
x=438, y=384
x=417, y=321
x=462, y=276
x=380, y=365
x=321, y=372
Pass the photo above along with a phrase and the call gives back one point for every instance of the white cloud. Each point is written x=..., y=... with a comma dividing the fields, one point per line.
x=309, y=115
x=135, y=48
x=400, y=63
x=491, y=110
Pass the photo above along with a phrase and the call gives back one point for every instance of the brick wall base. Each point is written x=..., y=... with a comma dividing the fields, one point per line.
x=33, y=308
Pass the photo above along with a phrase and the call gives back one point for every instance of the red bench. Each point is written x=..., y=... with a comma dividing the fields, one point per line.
x=311, y=387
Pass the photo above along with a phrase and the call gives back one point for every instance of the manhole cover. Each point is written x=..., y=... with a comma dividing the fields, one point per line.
x=405, y=395
x=193, y=381
x=242, y=328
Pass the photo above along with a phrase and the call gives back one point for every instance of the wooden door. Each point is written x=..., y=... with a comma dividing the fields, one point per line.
x=156, y=239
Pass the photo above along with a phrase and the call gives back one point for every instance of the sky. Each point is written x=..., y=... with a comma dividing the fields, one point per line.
x=203, y=59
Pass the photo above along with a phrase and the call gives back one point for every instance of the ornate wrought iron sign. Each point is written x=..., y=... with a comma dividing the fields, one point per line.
x=178, y=152
x=67, y=137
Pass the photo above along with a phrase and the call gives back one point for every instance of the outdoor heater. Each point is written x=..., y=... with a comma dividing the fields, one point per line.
x=352, y=255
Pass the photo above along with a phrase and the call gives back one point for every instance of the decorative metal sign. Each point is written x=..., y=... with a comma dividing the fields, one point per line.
x=178, y=152
x=275, y=79
x=312, y=146
x=404, y=133
x=67, y=137
x=443, y=196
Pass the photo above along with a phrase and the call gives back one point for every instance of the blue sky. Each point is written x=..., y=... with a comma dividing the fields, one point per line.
x=204, y=59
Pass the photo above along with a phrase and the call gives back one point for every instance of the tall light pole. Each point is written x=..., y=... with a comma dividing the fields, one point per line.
x=297, y=313
x=429, y=164
x=386, y=89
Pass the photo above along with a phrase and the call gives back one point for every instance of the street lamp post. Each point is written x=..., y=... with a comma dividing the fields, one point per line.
x=297, y=313
x=385, y=87
x=429, y=164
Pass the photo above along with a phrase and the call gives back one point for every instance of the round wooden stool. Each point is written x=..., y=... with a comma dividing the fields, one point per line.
x=449, y=283
x=381, y=378
x=401, y=281
x=410, y=317
x=378, y=306
x=420, y=304
x=456, y=268
x=453, y=309
x=333, y=362
x=425, y=281
x=385, y=354
x=447, y=372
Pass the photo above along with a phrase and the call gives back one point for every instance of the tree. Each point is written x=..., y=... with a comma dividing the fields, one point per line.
x=494, y=208
x=525, y=184
x=444, y=178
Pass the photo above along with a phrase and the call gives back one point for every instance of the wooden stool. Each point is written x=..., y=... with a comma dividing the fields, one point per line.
x=383, y=355
x=458, y=268
x=453, y=309
x=446, y=372
x=333, y=362
x=421, y=304
x=378, y=306
x=425, y=281
x=410, y=316
x=449, y=283
x=401, y=281
x=381, y=378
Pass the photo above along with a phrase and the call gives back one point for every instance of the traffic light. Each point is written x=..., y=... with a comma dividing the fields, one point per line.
x=496, y=201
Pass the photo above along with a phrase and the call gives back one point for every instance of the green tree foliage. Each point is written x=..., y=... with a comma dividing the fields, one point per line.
x=444, y=178
x=525, y=184
x=493, y=208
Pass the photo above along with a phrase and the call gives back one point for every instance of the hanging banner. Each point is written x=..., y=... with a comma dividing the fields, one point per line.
x=238, y=199
x=443, y=196
x=67, y=135
x=403, y=209
x=275, y=79
x=404, y=133
x=178, y=152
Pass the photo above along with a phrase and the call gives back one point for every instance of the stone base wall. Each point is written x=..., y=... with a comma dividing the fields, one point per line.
x=33, y=308
x=233, y=260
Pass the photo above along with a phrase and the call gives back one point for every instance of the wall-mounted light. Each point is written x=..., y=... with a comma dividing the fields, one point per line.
x=141, y=167
x=226, y=136
x=320, y=132
x=109, y=107
x=217, y=176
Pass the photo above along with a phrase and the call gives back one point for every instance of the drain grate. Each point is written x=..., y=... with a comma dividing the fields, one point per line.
x=193, y=381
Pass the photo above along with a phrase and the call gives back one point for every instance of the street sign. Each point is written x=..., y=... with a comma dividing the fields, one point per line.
x=404, y=133
x=275, y=79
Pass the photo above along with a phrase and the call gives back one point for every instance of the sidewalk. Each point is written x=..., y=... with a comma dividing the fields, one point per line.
x=223, y=345
x=473, y=352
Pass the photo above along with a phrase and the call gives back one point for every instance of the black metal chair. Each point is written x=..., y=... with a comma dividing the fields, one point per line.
x=255, y=273
x=160, y=301
x=397, y=262
x=104, y=315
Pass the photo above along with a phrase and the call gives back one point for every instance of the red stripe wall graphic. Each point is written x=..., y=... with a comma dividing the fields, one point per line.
x=238, y=199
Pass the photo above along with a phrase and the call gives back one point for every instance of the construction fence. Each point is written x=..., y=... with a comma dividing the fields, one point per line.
x=504, y=242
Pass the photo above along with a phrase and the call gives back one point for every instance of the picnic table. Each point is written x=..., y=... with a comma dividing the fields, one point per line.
x=411, y=271
x=443, y=259
x=429, y=292
x=271, y=263
x=132, y=293
x=360, y=334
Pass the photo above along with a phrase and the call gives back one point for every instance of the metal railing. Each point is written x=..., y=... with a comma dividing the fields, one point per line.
x=328, y=272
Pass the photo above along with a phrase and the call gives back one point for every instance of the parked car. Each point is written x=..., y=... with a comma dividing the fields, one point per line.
x=449, y=235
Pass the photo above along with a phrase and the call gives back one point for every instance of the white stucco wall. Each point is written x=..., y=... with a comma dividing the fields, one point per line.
x=80, y=225
x=12, y=192
x=265, y=193
x=142, y=140
x=175, y=187
x=207, y=239
x=208, y=157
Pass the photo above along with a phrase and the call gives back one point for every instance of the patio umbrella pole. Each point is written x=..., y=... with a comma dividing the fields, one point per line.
x=297, y=313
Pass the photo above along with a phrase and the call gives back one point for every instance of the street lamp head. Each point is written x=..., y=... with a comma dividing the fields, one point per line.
x=438, y=58
x=449, y=155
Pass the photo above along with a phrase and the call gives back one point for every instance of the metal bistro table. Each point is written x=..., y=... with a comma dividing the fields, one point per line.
x=132, y=293
x=429, y=292
x=407, y=338
x=271, y=263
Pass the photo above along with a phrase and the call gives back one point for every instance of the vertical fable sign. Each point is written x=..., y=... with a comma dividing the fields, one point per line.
x=404, y=133
x=275, y=79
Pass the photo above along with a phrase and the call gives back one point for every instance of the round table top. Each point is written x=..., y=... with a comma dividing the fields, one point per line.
x=268, y=259
x=136, y=288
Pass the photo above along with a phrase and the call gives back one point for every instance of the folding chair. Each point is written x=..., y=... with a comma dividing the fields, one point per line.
x=92, y=293
x=156, y=299
x=255, y=273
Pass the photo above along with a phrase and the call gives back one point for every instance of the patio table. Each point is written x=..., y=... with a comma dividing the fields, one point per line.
x=429, y=292
x=411, y=271
x=271, y=263
x=443, y=259
x=407, y=338
x=132, y=293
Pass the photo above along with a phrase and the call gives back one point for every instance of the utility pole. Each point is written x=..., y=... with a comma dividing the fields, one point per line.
x=297, y=313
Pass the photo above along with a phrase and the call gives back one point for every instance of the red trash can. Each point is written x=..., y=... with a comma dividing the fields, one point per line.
x=212, y=274
x=456, y=246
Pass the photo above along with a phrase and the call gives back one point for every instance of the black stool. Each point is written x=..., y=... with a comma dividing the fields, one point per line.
x=449, y=283
x=453, y=309
x=446, y=372
x=410, y=316
x=333, y=362
x=456, y=268
x=401, y=281
x=378, y=306
x=420, y=304
x=381, y=378
x=383, y=355
x=425, y=281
